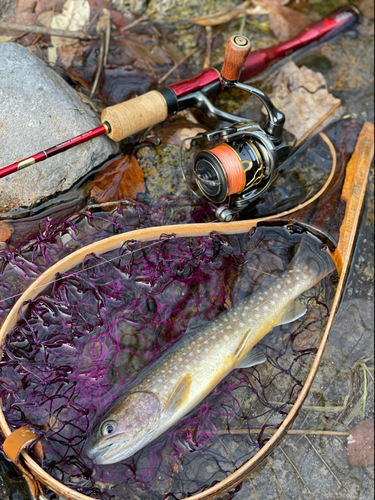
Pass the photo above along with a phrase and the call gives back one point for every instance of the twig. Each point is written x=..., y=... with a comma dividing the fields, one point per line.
x=178, y=64
x=100, y=65
x=43, y=30
x=36, y=40
x=97, y=14
x=317, y=125
x=299, y=475
x=144, y=17
x=207, y=61
x=298, y=432
x=107, y=41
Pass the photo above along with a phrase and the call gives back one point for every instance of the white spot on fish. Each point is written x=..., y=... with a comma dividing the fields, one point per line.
x=213, y=337
x=205, y=342
x=266, y=308
x=226, y=320
x=261, y=297
x=242, y=325
x=226, y=337
x=278, y=286
x=206, y=350
x=257, y=315
x=199, y=351
x=247, y=308
x=160, y=380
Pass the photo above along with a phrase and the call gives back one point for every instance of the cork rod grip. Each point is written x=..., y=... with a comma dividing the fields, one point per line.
x=236, y=52
x=135, y=115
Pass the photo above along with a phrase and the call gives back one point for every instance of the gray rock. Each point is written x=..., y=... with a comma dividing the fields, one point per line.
x=38, y=109
x=7, y=8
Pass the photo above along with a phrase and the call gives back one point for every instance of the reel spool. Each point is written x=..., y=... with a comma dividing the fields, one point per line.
x=245, y=162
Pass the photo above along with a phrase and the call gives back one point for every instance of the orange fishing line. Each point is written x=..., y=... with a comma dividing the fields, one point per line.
x=233, y=167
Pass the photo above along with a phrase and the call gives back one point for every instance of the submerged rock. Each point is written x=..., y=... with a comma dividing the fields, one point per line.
x=38, y=109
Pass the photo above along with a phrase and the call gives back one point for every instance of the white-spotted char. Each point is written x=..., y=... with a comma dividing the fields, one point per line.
x=187, y=372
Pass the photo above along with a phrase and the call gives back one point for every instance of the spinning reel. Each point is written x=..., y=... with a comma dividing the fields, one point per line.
x=245, y=157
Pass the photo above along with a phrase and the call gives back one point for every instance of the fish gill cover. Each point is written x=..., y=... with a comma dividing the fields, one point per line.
x=91, y=331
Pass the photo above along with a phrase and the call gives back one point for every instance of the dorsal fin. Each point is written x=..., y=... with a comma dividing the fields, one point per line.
x=179, y=395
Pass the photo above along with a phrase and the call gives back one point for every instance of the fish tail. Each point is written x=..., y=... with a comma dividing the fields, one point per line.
x=313, y=255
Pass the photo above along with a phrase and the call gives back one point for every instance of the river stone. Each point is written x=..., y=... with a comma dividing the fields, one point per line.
x=38, y=109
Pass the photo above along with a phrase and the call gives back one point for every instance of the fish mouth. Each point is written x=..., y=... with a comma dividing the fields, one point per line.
x=106, y=453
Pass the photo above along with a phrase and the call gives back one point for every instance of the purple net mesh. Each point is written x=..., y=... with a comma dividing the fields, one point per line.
x=90, y=332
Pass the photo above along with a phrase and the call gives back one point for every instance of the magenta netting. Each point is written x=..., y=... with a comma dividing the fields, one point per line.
x=91, y=331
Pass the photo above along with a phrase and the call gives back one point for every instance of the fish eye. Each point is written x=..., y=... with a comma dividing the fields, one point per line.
x=108, y=428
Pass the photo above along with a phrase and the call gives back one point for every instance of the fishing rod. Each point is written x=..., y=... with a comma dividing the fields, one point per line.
x=246, y=161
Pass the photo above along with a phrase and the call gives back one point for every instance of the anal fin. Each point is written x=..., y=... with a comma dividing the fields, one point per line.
x=254, y=357
x=180, y=394
x=295, y=310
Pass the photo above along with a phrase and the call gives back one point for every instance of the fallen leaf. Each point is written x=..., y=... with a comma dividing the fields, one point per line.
x=46, y=18
x=176, y=130
x=103, y=20
x=303, y=96
x=6, y=231
x=74, y=16
x=367, y=8
x=284, y=22
x=121, y=179
x=70, y=52
x=361, y=444
x=118, y=19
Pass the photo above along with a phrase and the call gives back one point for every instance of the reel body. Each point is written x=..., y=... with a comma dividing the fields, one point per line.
x=245, y=157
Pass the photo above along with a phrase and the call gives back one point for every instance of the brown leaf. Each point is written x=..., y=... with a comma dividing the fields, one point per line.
x=6, y=231
x=176, y=130
x=284, y=22
x=121, y=179
x=361, y=444
x=302, y=95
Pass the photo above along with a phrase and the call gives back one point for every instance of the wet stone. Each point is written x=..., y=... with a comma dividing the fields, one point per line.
x=163, y=176
x=38, y=109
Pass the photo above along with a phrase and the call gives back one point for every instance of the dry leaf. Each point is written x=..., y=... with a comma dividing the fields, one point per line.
x=75, y=15
x=103, y=20
x=176, y=130
x=46, y=18
x=361, y=444
x=284, y=22
x=6, y=231
x=121, y=179
x=303, y=96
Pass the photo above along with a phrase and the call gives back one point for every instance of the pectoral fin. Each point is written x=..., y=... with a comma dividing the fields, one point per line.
x=252, y=358
x=295, y=310
x=180, y=394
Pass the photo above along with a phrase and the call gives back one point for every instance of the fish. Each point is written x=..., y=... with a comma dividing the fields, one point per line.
x=187, y=372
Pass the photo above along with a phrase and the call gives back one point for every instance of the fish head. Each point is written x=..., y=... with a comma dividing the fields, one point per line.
x=128, y=426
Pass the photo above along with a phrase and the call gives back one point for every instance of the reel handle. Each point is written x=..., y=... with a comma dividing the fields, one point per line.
x=236, y=52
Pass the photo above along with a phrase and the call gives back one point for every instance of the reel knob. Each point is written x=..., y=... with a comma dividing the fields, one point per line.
x=237, y=51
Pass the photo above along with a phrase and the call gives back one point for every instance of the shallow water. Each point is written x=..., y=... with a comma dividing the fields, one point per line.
x=314, y=466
